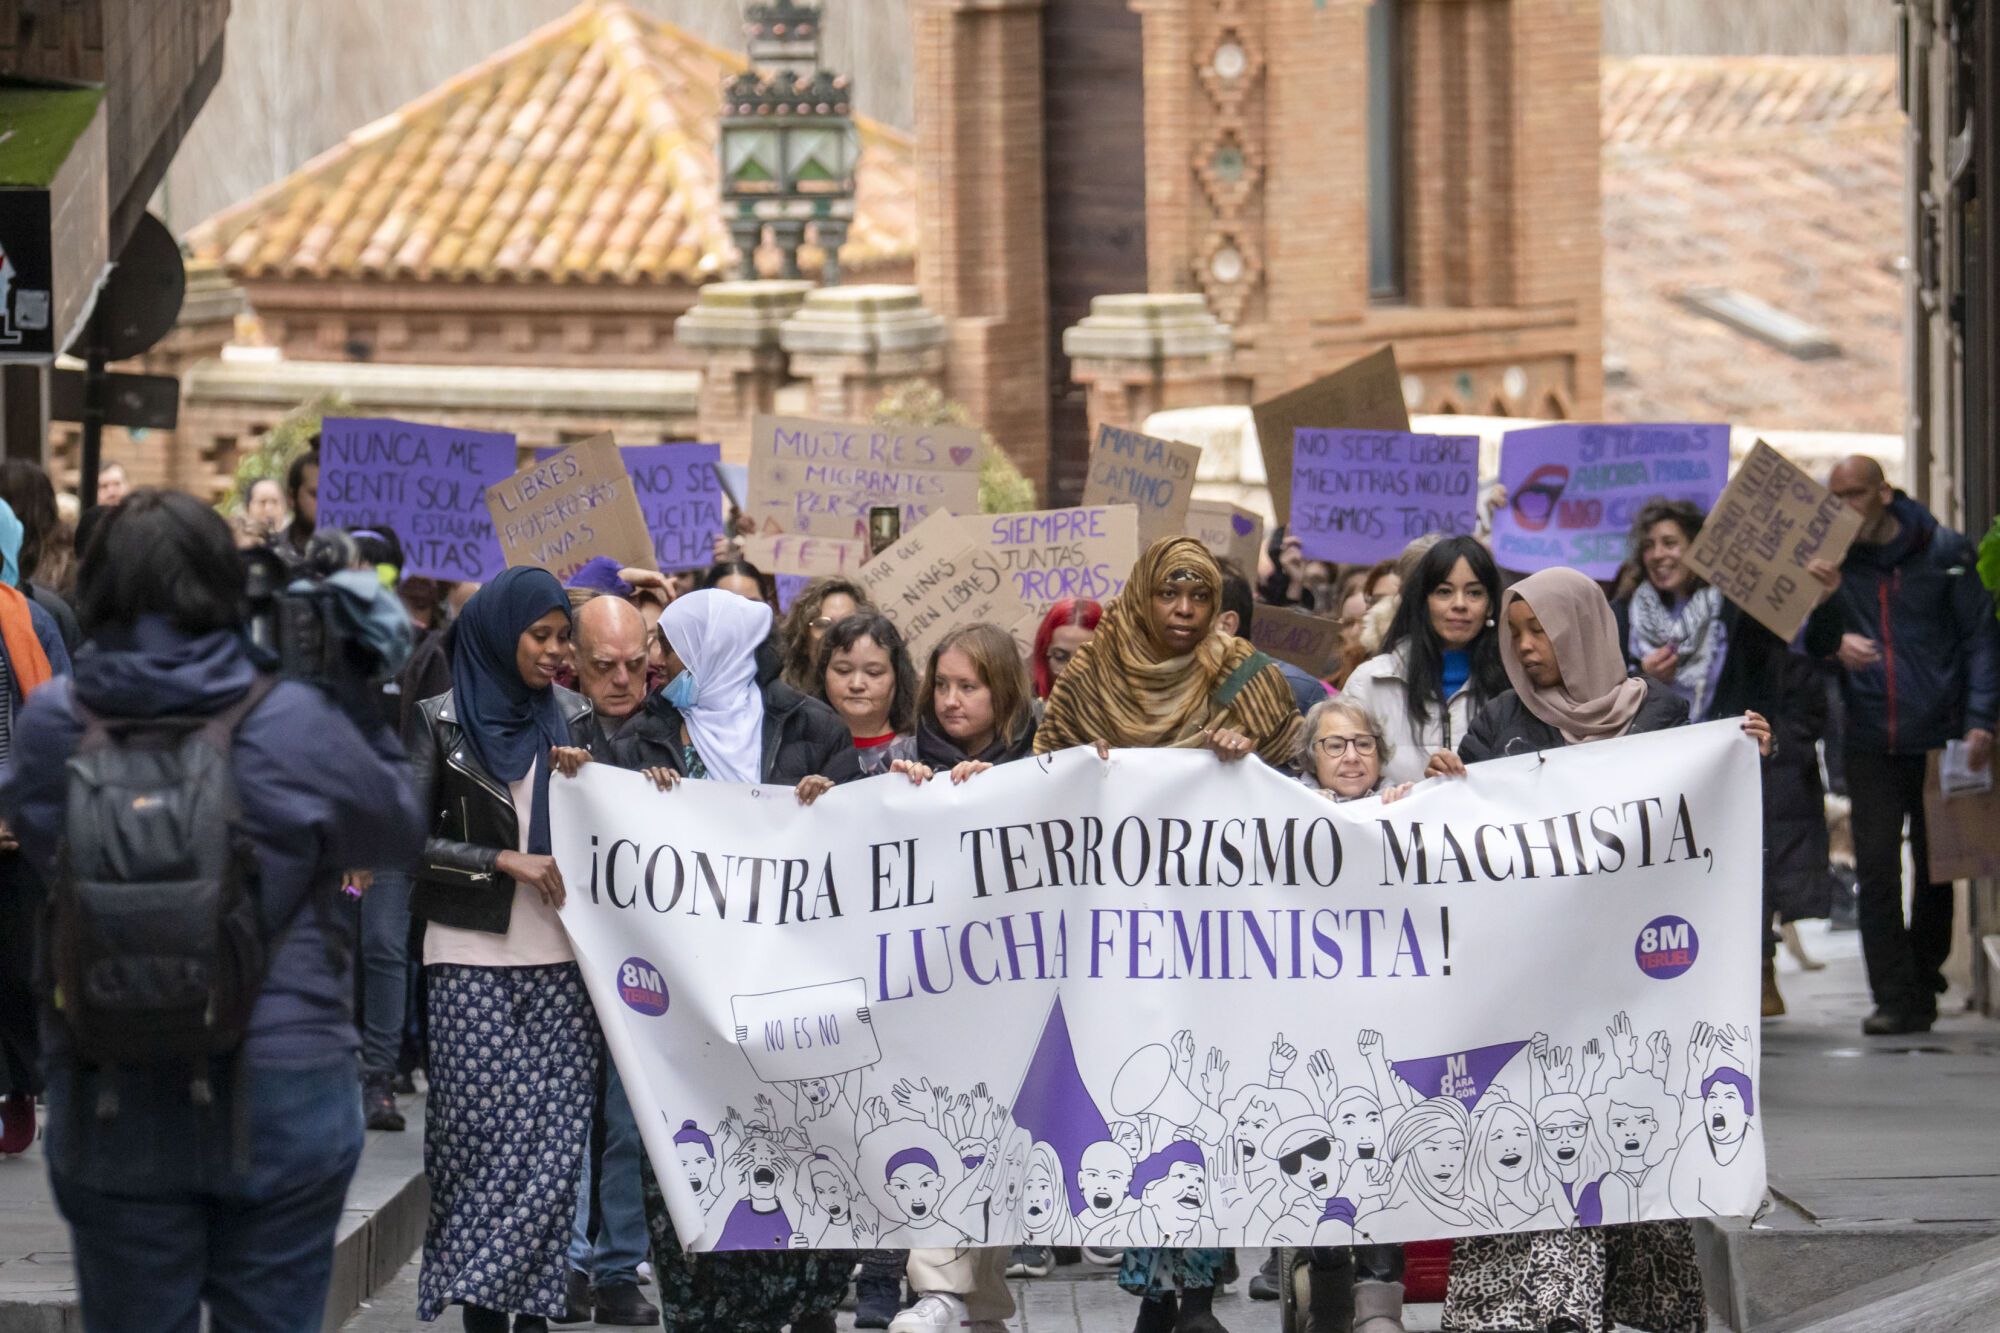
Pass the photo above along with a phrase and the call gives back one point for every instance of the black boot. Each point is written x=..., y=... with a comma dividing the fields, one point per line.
x=576, y=1299
x=1264, y=1286
x=479, y=1319
x=1329, y=1299
x=1156, y=1314
x=530, y=1323
x=619, y=1305
x=1195, y=1316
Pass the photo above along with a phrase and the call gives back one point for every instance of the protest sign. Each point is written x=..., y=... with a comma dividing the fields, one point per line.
x=1154, y=476
x=819, y=478
x=1573, y=491
x=427, y=484
x=1362, y=395
x=1771, y=520
x=1362, y=496
x=1309, y=642
x=1055, y=553
x=937, y=578
x=1230, y=532
x=562, y=512
x=804, y=557
x=680, y=498
x=1962, y=832
x=1081, y=945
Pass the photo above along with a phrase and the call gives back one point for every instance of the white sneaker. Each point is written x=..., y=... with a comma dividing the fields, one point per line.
x=934, y=1312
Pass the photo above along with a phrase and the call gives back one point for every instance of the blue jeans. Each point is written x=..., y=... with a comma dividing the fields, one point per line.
x=621, y=1205
x=165, y=1219
x=385, y=970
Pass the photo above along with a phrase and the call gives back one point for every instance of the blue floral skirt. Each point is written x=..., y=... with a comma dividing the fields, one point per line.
x=513, y=1072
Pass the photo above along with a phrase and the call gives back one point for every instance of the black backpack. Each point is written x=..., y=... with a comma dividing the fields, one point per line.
x=157, y=948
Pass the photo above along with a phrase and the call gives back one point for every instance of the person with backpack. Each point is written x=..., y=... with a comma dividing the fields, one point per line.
x=203, y=1122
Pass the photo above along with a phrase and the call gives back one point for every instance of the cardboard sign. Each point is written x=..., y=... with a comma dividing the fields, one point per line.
x=806, y=557
x=1963, y=831
x=1155, y=476
x=1362, y=496
x=819, y=478
x=1771, y=520
x=1307, y=641
x=577, y=505
x=937, y=578
x=1362, y=395
x=1055, y=553
x=680, y=497
x=1230, y=532
x=425, y=483
x=1573, y=491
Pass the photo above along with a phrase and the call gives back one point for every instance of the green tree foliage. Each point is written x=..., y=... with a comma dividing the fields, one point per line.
x=285, y=441
x=1989, y=563
x=1002, y=488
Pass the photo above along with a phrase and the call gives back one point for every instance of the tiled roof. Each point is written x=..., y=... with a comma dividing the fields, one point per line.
x=583, y=153
x=1779, y=178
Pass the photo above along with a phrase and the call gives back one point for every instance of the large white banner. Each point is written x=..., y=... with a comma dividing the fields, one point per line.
x=1159, y=1001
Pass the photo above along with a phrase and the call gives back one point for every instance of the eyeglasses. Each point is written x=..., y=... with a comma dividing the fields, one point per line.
x=1318, y=1150
x=1335, y=746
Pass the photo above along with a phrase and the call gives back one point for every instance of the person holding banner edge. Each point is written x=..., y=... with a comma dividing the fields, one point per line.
x=1570, y=687
x=1159, y=673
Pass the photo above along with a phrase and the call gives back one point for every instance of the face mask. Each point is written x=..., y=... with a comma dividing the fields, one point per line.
x=682, y=691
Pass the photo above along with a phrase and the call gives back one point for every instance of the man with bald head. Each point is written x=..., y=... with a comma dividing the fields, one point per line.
x=609, y=1239
x=1919, y=666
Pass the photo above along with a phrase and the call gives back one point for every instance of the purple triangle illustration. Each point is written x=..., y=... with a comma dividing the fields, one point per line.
x=1055, y=1107
x=1463, y=1074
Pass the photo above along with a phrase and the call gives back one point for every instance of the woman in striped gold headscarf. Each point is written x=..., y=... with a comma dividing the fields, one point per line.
x=1159, y=674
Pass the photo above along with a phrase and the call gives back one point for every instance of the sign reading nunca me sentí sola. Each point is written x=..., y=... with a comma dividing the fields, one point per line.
x=1157, y=1000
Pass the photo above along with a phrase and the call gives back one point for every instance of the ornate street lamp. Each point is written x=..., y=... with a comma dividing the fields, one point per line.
x=788, y=144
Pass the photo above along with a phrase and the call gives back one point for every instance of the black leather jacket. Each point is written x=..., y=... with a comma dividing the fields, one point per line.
x=471, y=818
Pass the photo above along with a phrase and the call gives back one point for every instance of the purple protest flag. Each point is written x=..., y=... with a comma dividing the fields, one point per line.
x=1359, y=496
x=1055, y=1107
x=1463, y=1074
x=427, y=483
x=1573, y=491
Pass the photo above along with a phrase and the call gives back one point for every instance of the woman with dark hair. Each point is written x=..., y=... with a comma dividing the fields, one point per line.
x=1068, y=626
x=27, y=489
x=742, y=578
x=302, y=492
x=865, y=674
x=821, y=604
x=1563, y=660
x=513, y=1040
x=1441, y=659
x=1682, y=632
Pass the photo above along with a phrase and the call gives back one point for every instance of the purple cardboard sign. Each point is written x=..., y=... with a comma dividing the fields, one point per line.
x=679, y=496
x=1573, y=491
x=426, y=483
x=1359, y=496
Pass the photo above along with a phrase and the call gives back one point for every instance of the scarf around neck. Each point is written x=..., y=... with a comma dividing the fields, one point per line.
x=1696, y=628
x=1596, y=699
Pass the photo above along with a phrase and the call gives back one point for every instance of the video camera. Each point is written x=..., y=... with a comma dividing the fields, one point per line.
x=324, y=622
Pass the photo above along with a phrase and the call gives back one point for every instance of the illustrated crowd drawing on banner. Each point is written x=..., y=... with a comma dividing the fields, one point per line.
x=849, y=1114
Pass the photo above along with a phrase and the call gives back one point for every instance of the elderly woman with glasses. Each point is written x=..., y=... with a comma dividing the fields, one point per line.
x=1344, y=752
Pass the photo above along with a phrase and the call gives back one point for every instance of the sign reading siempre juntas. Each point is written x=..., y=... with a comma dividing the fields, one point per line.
x=1771, y=521
x=425, y=483
x=574, y=506
x=820, y=478
x=1154, y=476
x=1051, y=554
x=937, y=578
x=1363, y=395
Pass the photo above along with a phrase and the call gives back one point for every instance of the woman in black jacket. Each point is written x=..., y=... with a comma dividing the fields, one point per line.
x=513, y=1038
x=1684, y=634
x=1559, y=643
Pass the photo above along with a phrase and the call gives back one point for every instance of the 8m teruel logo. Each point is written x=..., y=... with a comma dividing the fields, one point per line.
x=1667, y=947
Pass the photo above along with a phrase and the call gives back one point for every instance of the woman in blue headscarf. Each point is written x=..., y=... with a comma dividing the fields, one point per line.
x=513, y=1039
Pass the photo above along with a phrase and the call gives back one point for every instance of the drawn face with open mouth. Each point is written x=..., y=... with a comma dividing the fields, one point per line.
x=762, y=1173
x=1723, y=1114
x=917, y=1190
x=1632, y=1130
x=1312, y=1167
x=1357, y=1126
x=1508, y=1150
x=817, y=1092
x=1180, y=1195
x=1562, y=1144
x=699, y=1166
x=1534, y=500
x=830, y=1193
x=1257, y=1117
x=1102, y=1178
x=1038, y=1200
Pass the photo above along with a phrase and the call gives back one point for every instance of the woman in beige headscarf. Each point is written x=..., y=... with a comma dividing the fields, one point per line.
x=1559, y=643
x=1159, y=674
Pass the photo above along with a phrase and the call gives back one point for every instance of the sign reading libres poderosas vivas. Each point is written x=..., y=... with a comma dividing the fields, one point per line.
x=1155, y=1000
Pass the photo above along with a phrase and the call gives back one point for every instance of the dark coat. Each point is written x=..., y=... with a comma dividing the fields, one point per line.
x=1755, y=676
x=802, y=736
x=1505, y=726
x=472, y=821
x=942, y=753
x=1919, y=597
